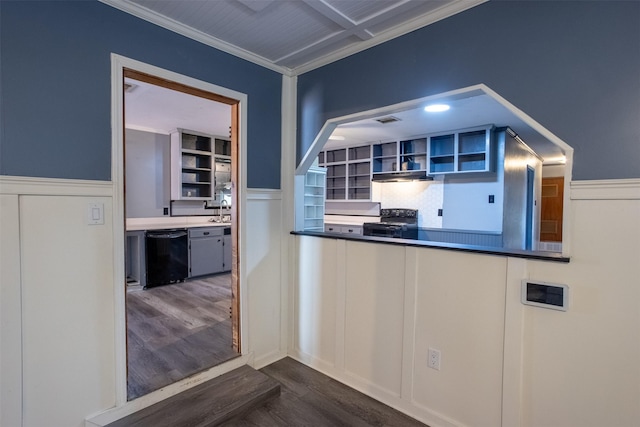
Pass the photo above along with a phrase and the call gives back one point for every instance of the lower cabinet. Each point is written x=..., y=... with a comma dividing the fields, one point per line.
x=135, y=258
x=209, y=250
x=226, y=264
x=343, y=229
x=206, y=251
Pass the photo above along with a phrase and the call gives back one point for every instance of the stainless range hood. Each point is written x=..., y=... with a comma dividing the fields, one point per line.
x=403, y=176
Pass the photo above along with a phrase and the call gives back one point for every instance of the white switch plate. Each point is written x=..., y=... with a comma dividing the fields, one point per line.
x=95, y=213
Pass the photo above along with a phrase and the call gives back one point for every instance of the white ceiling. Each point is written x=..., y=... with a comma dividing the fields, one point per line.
x=469, y=109
x=293, y=36
x=156, y=109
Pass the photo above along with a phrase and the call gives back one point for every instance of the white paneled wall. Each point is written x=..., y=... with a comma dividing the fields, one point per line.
x=58, y=301
x=68, y=306
x=459, y=310
x=374, y=315
x=59, y=336
x=502, y=363
x=10, y=313
x=266, y=315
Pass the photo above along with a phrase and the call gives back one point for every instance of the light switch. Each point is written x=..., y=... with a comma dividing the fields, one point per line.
x=95, y=214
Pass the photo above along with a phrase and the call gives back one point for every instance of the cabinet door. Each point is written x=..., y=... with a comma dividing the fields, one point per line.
x=227, y=253
x=206, y=256
x=351, y=229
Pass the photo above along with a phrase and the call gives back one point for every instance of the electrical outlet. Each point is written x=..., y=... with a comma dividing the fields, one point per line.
x=433, y=358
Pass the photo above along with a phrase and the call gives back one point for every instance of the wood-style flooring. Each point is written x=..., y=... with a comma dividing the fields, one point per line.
x=177, y=330
x=309, y=398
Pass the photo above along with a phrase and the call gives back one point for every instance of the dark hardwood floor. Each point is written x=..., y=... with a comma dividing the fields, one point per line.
x=309, y=398
x=177, y=330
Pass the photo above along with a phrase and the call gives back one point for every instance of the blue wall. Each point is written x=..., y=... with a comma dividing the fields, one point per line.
x=55, y=84
x=573, y=66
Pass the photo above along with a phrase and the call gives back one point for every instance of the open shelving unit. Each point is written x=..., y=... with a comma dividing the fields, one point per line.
x=460, y=152
x=204, y=165
x=313, y=186
x=348, y=173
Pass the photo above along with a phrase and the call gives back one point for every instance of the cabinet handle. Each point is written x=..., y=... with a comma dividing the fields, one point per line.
x=206, y=233
x=350, y=230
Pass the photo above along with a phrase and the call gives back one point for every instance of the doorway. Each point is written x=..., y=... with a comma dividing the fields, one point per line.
x=155, y=313
x=529, y=211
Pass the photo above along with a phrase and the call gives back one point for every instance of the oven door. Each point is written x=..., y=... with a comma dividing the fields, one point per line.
x=381, y=230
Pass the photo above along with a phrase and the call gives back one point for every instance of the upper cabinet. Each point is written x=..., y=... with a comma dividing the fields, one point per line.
x=400, y=156
x=348, y=173
x=200, y=166
x=460, y=152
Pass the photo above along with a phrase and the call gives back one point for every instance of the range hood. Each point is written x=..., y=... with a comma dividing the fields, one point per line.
x=401, y=176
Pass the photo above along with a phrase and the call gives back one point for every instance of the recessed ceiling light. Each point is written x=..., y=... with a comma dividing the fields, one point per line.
x=436, y=108
x=336, y=138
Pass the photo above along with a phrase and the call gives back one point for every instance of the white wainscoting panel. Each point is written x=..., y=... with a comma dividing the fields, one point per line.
x=374, y=314
x=68, y=310
x=263, y=240
x=460, y=312
x=581, y=367
x=10, y=313
x=315, y=298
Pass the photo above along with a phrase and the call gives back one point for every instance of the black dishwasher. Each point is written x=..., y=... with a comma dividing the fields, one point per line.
x=167, y=256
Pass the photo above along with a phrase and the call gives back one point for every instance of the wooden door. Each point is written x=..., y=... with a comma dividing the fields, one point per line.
x=551, y=207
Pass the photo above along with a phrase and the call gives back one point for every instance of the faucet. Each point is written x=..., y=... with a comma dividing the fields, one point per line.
x=223, y=203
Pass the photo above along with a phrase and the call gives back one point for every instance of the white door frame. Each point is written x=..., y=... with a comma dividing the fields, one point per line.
x=118, y=64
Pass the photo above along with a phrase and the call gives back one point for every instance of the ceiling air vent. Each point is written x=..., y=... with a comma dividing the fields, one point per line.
x=388, y=119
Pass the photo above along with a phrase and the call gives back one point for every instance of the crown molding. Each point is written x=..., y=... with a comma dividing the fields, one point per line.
x=436, y=15
x=177, y=27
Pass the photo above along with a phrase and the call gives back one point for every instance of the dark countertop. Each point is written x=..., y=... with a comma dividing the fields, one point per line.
x=517, y=253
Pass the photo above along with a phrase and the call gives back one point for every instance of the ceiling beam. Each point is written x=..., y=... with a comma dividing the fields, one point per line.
x=349, y=27
x=339, y=18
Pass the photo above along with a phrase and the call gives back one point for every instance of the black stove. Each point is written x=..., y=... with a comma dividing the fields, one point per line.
x=399, y=223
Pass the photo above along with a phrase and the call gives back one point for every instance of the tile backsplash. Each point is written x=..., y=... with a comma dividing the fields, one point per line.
x=426, y=196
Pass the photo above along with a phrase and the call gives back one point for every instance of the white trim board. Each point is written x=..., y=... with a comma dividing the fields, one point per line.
x=36, y=186
x=118, y=64
x=606, y=189
x=263, y=194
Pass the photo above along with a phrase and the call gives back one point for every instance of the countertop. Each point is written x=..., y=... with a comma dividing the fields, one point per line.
x=141, y=224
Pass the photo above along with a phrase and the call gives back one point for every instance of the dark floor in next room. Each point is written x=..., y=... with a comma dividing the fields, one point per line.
x=177, y=330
